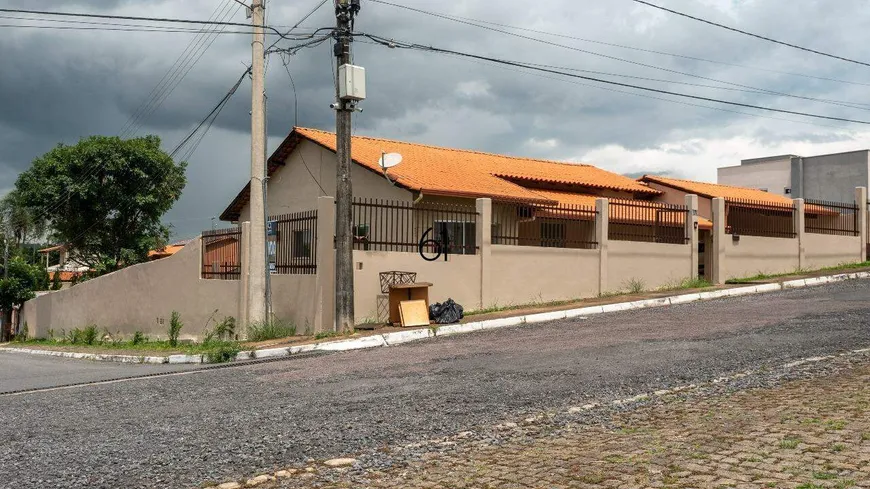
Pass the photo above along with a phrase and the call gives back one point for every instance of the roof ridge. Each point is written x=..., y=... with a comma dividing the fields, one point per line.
x=458, y=150
x=653, y=177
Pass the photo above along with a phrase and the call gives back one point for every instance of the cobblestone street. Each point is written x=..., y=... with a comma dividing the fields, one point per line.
x=805, y=434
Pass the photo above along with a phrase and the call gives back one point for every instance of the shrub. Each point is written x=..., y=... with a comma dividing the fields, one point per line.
x=22, y=335
x=138, y=338
x=635, y=286
x=56, y=284
x=90, y=335
x=175, y=326
x=224, y=352
x=226, y=329
x=270, y=330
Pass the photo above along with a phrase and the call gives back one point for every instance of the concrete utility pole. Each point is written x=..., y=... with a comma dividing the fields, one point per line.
x=344, y=313
x=257, y=251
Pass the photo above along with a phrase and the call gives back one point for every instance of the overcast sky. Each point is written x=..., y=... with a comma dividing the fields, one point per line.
x=61, y=85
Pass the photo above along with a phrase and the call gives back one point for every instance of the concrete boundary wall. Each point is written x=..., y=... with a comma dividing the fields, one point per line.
x=746, y=256
x=138, y=298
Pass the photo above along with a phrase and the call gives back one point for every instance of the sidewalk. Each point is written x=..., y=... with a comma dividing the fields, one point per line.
x=805, y=434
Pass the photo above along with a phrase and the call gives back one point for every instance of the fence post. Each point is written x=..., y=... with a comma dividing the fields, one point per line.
x=243, y=279
x=484, y=242
x=861, y=200
x=692, y=233
x=602, y=223
x=324, y=295
x=800, y=230
x=718, y=272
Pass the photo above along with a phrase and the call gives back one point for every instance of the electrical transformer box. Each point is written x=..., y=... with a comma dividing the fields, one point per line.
x=351, y=82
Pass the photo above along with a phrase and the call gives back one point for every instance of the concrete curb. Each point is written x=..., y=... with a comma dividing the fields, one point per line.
x=400, y=337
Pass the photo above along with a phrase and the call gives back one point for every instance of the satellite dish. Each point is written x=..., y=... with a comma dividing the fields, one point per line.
x=389, y=160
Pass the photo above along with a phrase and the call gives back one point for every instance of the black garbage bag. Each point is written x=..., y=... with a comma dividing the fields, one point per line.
x=446, y=312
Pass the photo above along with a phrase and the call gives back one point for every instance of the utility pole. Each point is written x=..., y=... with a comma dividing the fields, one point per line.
x=256, y=272
x=345, y=10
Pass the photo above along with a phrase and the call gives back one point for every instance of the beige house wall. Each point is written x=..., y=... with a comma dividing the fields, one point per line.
x=294, y=298
x=292, y=188
x=678, y=197
x=654, y=264
x=824, y=250
x=139, y=298
x=458, y=278
x=752, y=255
x=525, y=274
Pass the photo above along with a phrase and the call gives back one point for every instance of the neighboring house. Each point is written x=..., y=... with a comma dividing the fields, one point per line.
x=65, y=263
x=830, y=177
x=168, y=250
x=304, y=167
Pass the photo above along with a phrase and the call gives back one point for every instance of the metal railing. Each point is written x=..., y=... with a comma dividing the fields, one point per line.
x=292, y=243
x=651, y=222
x=222, y=254
x=561, y=226
x=756, y=218
x=835, y=218
x=384, y=225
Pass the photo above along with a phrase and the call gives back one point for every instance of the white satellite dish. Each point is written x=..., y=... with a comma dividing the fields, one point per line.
x=389, y=160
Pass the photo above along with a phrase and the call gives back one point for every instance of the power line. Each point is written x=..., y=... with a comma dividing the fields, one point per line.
x=636, y=94
x=394, y=44
x=162, y=91
x=615, y=58
x=765, y=38
x=144, y=19
x=635, y=48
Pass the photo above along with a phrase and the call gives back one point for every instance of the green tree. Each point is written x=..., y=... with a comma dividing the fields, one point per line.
x=17, y=285
x=104, y=197
x=56, y=284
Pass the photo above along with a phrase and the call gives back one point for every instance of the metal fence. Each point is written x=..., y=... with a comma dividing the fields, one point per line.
x=755, y=218
x=652, y=222
x=384, y=225
x=835, y=218
x=222, y=254
x=560, y=226
x=292, y=243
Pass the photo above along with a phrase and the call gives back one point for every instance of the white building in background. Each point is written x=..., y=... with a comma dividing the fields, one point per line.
x=825, y=177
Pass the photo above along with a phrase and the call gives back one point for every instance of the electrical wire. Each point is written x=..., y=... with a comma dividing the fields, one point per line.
x=393, y=44
x=162, y=90
x=758, y=36
x=144, y=19
x=585, y=51
x=624, y=46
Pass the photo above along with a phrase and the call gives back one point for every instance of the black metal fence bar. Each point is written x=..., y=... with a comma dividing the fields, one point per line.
x=834, y=218
x=384, y=225
x=562, y=226
x=652, y=222
x=292, y=243
x=222, y=254
x=756, y=218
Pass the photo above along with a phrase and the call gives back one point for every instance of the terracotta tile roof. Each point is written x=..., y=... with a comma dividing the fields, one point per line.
x=65, y=276
x=713, y=190
x=444, y=171
x=620, y=213
x=53, y=248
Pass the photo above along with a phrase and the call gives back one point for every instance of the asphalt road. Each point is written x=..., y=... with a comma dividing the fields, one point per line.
x=22, y=372
x=179, y=431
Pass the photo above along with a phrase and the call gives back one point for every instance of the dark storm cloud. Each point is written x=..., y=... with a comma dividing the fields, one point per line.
x=62, y=85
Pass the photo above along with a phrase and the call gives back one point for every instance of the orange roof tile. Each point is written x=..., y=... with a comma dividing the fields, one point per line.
x=455, y=172
x=714, y=190
x=65, y=276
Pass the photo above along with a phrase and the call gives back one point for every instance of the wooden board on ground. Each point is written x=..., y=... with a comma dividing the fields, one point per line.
x=413, y=313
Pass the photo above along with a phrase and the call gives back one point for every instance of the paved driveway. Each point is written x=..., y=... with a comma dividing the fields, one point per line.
x=225, y=424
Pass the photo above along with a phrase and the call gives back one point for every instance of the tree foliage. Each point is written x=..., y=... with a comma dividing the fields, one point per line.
x=19, y=284
x=104, y=197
